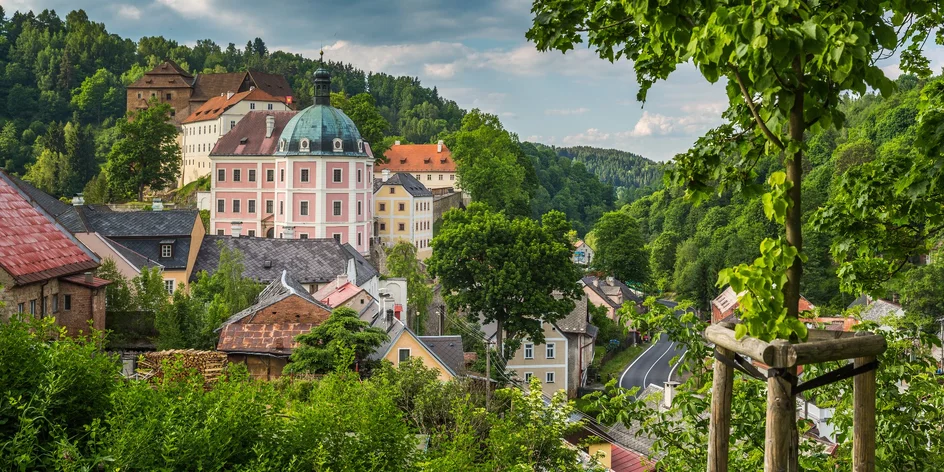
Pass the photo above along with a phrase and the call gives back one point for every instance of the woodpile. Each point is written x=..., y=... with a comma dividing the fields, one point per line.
x=209, y=364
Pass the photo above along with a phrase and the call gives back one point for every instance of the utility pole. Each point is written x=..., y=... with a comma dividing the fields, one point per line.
x=488, y=374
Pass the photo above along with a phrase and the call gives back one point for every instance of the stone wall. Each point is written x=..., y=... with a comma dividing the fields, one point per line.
x=444, y=203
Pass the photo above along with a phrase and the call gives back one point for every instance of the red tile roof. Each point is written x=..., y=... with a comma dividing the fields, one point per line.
x=333, y=297
x=418, y=158
x=252, y=128
x=32, y=248
x=271, y=338
x=215, y=106
x=79, y=279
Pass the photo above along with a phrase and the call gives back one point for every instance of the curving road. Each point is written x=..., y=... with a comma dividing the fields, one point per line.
x=654, y=365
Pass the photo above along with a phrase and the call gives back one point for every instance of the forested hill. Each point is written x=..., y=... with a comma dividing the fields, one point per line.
x=689, y=244
x=632, y=175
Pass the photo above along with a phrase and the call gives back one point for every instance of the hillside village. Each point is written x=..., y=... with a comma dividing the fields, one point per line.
x=254, y=267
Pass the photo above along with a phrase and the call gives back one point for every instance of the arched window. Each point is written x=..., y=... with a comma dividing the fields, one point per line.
x=304, y=144
x=360, y=145
x=281, y=145
x=338, y=145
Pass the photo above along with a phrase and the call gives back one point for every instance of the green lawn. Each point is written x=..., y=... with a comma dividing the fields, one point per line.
x=615, y=366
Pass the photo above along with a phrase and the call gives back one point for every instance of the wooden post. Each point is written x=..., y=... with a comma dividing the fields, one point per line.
x=863, y=418
x=488, y=375
x=782, y=443
x=720, y=426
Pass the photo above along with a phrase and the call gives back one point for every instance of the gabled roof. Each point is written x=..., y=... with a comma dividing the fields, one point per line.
x=248, y=138
x=604, y=289
x=69, y=216
x=128, y=224
x=395, y=331
x=207, y=86
x=448, y=349
x=407, y=181
x=80, y=279
x=216, y=106
x=578, y=320
x=418, y=158
x=134, y=258
x=308, y=260
x=275, y=84
x=165, y=75
x=32, y=246
x=335, y=296
x=281, y=288
x=878, y=310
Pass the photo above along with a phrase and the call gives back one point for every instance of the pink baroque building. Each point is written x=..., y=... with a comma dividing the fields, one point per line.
x=302, y=175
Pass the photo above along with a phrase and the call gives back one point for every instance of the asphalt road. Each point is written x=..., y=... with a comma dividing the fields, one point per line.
x=653, y=365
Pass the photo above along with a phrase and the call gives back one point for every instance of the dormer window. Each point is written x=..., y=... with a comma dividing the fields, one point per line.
x=338, y=145
x=304, y=144
x=360, y=145
x=281, y=145
x=167, y=248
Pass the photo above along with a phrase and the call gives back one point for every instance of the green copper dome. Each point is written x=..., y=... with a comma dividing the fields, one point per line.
x=321, y=130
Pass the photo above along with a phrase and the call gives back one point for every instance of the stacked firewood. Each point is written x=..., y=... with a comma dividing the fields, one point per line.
x=209, y=364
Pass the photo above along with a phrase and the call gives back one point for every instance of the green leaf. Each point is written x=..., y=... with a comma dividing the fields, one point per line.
x=739, y=331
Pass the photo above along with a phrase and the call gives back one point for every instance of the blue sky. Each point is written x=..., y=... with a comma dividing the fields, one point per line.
x=473, y=51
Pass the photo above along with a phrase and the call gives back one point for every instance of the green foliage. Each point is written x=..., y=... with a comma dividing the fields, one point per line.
x=51, y=392
x=490, y=165
x=402, y=262
x=343, y=341
x=507, y=271
x=146, y=155
x=362, y=109
x=118, y=294
x=100, y=96
x=620, y=248
x=632, y=175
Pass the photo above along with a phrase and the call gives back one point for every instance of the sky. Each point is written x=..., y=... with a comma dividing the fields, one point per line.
x=474, y=51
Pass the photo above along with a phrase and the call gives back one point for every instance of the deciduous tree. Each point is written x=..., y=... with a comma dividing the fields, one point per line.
x=343, y=341
x=402, y=262
x=620, y=248
x=147, y=155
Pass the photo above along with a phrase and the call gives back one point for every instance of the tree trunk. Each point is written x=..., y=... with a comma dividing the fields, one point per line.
x=500, y=338
x=793, y=223
x=141, y=192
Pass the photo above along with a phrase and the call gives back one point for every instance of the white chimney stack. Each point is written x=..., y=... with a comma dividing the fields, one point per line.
x=396, y=143
x=385, y=174
x=609, y=281
x=270, y=125
x=229, y=95
x=288, y=232
x=88, y=277
x=157, y=205
x=668, y=393
x=237, y=228
x=78, y=200
x=439, y=146
x=339, y=281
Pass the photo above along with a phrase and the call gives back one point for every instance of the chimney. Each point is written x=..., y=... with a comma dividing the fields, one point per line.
x=439, y=146
x=229, y=95
x=88, y=277
x=668, y=394
x=610, y=281
x=157, y=205
x=237, y=228
x=385, y=174
x=78, y=200
x=252, y=87
x=389, y=317
x=288, y=232
x=396, y=143
x=339, y=281
x=270, y=125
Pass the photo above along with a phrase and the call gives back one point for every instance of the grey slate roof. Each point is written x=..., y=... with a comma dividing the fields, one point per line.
x=308, y=260
x=413, y=186
x=282, y=287
x=604, y=289
x=633, y=437
x=127, y=224
x=578, y=320
x=150, y=248
x=878, y=310
x=136, y=259
x=397, y=329
x=448, y=348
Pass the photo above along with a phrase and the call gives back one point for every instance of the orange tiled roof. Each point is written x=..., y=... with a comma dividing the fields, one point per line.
x=271, y=338
x=215, y=106
x=418, y=158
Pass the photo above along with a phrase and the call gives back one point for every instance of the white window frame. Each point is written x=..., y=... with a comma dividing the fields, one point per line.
x=221, y=175
x=169, y=286
x=269, y=207
x=529, y=347
x=221, y=206
x=550, y=350
x=527, y=376
x=304, y=175
x=167, y=251
x=409, y=353
x=549, y=377
x=237, y=175
x=251, y=206
x=336, y=208
x=252, y=175
x=304, y=145
x=337, y=175
x=303, y=208
x=270, y=174
x=236, y=205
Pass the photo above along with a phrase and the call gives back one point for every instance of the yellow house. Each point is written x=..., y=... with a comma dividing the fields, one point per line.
x=403, y=211
x=443, y=353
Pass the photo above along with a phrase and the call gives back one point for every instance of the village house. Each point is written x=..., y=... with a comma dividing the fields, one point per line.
x=431, y=164
x=314, y=263
x=170, y=83
x=44, y=270
x=72, y=218
x=403, y=212
x=583, y=253
x=560, y=362
x=206, y=125
x=610, y=294
x=263, y=336
x=302, y=175
x=725, y=305
x=442, y=353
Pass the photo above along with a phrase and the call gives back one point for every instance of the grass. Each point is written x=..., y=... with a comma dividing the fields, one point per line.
x=615, y=366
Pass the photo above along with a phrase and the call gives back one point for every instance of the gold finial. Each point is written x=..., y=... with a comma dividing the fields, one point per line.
x=321, y=54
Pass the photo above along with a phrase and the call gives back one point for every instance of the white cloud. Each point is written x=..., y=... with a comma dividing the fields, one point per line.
x=209, y=10
x=566, y=111
x=129, y=12
x=508, y=114
x=591, y=136
x=440, y=71
x=699, y=118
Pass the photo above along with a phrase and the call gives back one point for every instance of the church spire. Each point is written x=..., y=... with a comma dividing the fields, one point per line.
x=322, y=84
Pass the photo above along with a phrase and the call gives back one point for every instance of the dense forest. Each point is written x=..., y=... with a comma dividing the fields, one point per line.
x=62, y=97
x=689, y=244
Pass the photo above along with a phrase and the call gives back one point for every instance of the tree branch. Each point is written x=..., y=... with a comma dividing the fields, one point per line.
x=611, y=25
x=750, y=104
